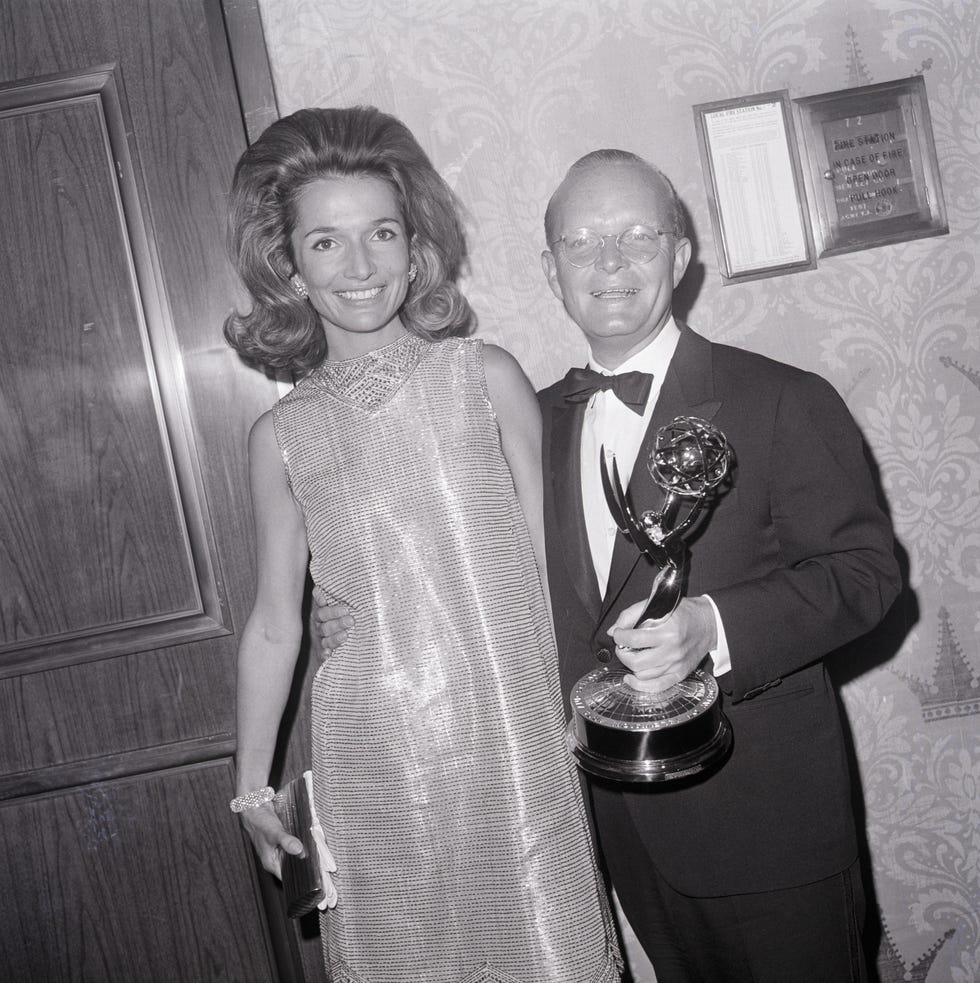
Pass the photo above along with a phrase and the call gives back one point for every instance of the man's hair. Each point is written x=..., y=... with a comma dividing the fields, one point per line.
x=674, y=211
x=283, y=331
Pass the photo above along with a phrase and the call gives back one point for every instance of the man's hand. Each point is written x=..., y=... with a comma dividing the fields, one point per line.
x=661, y=653
x=331, y=622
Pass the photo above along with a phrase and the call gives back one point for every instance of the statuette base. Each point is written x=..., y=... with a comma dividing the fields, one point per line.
x=628, y=735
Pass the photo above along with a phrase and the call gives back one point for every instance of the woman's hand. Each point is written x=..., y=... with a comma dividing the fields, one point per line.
x=269, y=837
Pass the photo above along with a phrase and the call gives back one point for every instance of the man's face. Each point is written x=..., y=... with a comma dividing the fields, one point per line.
x=619, y=304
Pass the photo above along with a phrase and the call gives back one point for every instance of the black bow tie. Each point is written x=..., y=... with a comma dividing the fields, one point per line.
x=631, y=388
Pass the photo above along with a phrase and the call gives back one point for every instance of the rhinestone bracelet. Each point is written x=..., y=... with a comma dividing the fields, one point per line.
x=252, y=799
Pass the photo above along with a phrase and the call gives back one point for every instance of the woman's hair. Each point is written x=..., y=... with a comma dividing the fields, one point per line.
x=283, y=331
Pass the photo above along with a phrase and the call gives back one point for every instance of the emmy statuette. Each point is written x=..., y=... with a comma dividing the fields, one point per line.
x=620, y=729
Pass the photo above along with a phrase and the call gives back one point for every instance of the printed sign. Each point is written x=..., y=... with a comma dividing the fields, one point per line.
x=870, y=167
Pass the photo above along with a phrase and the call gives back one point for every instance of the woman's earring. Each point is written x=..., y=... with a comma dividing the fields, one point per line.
x=413, y=272
x=299, y=285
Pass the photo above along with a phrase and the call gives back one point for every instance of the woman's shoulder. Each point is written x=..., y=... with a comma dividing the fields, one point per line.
x=496, y=369
x=469, y=347
x=458, y=353
x=505, y=379
x=500, y=362
x=456, y=343
x=303, y=389
x=263, y=426
x=262, y=442
x=478, y=355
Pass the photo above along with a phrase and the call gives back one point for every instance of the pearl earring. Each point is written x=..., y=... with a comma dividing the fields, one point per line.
x=413, y=272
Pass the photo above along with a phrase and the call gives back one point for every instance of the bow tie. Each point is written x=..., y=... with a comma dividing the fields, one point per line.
x=630, y=388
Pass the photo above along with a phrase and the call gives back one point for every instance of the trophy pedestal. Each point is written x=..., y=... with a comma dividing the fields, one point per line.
x=631, y=735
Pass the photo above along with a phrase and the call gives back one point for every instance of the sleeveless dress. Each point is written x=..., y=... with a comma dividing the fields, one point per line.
x=446, y=793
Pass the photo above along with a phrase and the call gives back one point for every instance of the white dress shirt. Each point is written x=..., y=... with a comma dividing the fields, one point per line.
x=611, y=425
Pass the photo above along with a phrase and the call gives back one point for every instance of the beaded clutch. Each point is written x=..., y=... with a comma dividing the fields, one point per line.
x=302, y=880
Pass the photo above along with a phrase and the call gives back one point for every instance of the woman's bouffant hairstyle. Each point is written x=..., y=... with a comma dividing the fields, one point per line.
x=283, y=331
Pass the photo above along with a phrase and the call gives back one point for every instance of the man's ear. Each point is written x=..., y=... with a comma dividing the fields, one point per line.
x=550, y=268
x=682, y=256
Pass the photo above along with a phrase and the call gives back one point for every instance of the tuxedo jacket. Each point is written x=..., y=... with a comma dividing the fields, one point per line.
x=798, y=556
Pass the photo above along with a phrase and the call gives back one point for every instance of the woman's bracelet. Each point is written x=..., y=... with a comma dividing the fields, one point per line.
x=252, y=799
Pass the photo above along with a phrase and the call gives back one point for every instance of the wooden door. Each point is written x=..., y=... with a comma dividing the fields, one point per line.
x=125, y=529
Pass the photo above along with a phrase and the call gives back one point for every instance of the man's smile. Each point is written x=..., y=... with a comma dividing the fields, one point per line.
x=615, y=293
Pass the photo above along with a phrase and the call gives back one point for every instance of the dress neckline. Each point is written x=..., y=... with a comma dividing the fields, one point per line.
x=371, y=379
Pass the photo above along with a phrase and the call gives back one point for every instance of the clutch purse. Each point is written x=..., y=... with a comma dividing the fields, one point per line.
x=302, y=880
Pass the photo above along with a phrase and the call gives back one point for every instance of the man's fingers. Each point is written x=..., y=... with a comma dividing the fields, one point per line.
x=334, y=612
x=639, y=662
x=643, y=638
x=332, y=638
x=332, y=622
x=625, y=623
x=651, y=685
x=627, y=617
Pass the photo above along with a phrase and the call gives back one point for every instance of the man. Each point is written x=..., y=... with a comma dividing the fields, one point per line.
x=751, y=872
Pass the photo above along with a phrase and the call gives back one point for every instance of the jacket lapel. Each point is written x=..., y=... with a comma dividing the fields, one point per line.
x=687, y=390
x=566, y=472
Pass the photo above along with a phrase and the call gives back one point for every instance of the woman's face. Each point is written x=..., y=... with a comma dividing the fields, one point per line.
x=351, y=247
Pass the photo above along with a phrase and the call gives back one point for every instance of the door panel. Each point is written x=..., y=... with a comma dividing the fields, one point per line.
x=125, y=527
x=112, y=888
x=99, y=554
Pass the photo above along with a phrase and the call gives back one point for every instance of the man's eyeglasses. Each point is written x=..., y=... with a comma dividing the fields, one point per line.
x=639, y=244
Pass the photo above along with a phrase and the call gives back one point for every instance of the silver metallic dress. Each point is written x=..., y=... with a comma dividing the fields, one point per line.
x=447, y=796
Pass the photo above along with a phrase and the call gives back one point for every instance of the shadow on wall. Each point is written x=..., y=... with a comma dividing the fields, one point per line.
x=686, y=292
x=846, y=664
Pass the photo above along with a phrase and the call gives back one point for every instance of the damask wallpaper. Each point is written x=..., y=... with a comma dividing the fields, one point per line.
x=505, y=95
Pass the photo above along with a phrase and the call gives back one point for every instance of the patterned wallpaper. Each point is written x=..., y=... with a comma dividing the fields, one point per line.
x=506, y=95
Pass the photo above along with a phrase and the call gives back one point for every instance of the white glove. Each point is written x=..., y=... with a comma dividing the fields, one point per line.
x=327, y=863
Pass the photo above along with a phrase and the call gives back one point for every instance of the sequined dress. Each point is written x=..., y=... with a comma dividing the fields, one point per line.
x=447, y=796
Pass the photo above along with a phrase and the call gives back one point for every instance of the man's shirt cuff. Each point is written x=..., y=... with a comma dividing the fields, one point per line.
x=721, y=659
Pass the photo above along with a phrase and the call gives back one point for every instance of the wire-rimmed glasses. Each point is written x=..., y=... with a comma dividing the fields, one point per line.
x=638, y=243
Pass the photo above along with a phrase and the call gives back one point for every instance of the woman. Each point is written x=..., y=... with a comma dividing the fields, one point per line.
x=405, y=468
